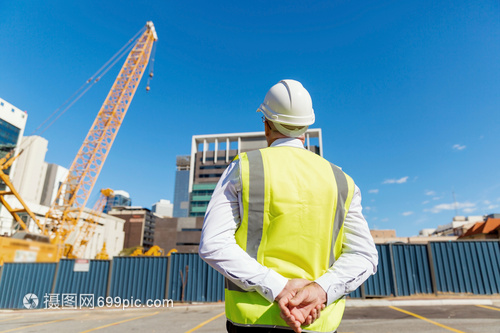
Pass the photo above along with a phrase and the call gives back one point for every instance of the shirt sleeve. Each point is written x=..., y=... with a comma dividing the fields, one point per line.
x=359, y=257
x=218, y=245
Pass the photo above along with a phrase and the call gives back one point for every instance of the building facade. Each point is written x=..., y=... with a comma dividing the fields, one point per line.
x=181, y=190
x=211, y=154
x=139, y=226
x=54, y=177
x=182, y=234
x=31, y=169
x=12, y=124
x=458, y=226
x=163, y=208
x=488, y=229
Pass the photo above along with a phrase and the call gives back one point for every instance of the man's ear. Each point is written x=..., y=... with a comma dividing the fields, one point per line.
x=267, y=128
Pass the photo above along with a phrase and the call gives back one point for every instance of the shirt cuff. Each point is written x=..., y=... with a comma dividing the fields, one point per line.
x=272, y=284
x=334, y=291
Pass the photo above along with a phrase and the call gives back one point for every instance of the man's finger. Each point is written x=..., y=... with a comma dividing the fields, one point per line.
x=297, y=299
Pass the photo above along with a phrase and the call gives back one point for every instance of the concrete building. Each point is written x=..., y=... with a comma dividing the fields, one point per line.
x=211, y=154
x=458, y=226
x=29, y=176
x=139, y=225
x=181, y=190
x=12, y=123
x=163, y=208
x=182, y=234
x=54, y=177
x=119, y=198
x=389, y=237
x=488, y=229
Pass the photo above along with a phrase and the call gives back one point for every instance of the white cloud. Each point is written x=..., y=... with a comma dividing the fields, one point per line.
x=430, y=193
x=396, y=181
x=465, y=206
x=407, y=213
x=367, y=208
x=425, y=202
x=374, y=191
x=469, y=210
x=492, y=206
x=436, y=198
x=384, y=220
x=458, y=147
x=487, y=202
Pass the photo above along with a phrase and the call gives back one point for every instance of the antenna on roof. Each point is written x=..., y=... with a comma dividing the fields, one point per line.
x=455, y=202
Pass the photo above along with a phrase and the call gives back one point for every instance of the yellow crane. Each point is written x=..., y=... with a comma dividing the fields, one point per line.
x=63, y=216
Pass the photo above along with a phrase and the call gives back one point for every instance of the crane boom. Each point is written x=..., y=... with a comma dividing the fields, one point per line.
x=73, y=194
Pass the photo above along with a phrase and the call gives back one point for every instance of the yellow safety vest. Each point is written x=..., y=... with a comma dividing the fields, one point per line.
x=294, y=207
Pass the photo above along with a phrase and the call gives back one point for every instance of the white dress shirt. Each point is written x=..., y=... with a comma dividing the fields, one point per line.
x=218, y=246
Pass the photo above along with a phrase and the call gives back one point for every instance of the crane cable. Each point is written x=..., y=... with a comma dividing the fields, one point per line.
x=151, y=66
x=89, y=83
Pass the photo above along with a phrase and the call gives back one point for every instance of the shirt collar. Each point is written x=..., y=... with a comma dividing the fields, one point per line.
x=287, y=142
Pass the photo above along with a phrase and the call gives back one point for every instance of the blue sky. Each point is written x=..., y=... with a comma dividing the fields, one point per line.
x=407, y=94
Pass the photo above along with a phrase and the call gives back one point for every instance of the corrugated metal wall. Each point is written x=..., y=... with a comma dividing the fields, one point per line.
x=411, y=269
x=19, y=279
x=143, y=278
x=467, y=267
x=403, y=270
x=202, y=283
x=94, y=282
x=382, y=283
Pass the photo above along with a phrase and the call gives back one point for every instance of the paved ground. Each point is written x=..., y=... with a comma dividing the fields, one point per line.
x=360, y=316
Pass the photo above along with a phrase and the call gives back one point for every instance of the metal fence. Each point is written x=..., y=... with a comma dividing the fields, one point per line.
x=403, y=270
x=191, y=279
x=19, y=282
x=467, y=267
x=80, y=286
x=139, y=278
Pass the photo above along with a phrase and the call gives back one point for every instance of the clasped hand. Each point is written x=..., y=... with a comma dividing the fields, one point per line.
x=301, y=302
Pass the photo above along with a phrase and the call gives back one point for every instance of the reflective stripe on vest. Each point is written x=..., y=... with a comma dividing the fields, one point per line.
x=276, y=228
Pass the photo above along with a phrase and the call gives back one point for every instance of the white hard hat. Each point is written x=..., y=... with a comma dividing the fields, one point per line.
x=288, y=103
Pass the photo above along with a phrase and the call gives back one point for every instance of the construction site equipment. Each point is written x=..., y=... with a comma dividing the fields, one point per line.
x=171, y=251
x=22, y=246
x=154, y=251
x=103, y=255
x=66, y=210
x=63, y=216
x=5, y=163
x=86, y=231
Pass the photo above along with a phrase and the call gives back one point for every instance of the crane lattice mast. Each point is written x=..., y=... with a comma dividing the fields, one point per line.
x=73, y=194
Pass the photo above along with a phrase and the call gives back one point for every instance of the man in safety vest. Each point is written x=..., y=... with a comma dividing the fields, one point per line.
x=285, y=227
